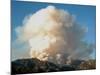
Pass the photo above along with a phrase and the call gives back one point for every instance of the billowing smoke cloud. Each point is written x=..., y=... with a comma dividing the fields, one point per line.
x=53, y=34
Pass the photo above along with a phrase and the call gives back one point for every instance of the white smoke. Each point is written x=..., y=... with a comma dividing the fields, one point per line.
x=54, y=35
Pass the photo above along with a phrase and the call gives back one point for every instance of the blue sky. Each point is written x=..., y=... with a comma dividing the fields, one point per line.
x=85, y=15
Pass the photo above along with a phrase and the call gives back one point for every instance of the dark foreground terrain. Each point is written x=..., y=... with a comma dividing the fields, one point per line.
x=33, y=65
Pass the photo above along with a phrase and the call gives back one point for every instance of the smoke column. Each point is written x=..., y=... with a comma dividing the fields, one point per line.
x=54, y=35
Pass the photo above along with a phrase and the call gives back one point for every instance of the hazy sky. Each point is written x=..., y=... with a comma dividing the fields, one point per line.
x=85, y=15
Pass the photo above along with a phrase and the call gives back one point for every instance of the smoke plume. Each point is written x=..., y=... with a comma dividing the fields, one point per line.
x=53, y=34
